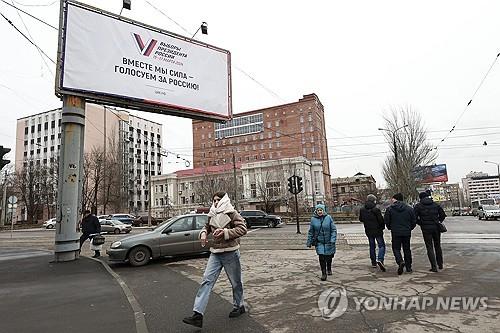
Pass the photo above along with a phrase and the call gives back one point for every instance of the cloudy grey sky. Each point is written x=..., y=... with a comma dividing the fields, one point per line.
x=360, y=57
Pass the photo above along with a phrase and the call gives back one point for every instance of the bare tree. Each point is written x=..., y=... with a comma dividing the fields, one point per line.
x=410, y=146
x=210, y=184
x=271, y=189
x=113, y=194
x=27, y=185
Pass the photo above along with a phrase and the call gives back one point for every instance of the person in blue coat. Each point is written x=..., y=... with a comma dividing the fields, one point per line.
x=323, y=235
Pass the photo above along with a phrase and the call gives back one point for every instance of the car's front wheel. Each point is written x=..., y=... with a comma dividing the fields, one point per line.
x=117, y=231
x=50, y=226
x=270, y=224
x=139, y=256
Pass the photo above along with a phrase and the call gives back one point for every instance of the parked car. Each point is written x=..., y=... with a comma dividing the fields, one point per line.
x=488, y=212
x=104, y=217
x=50, y=224
x=124, y=218
x=143, y=220
x=255, y=218
x=114, y=226
x=176, y=236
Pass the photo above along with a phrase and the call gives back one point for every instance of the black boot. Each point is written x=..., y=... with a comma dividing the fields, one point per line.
x=196, y=320
x=97, y=254
x=433, y=269
x=237, y=312
x=401, y=266
x=323, y=275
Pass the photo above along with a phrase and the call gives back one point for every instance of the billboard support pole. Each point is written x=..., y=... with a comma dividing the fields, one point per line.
x=69, y=192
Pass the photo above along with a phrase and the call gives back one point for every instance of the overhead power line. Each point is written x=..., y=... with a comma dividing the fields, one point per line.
x=29, y=40
x=470, y=101
x=36, y=18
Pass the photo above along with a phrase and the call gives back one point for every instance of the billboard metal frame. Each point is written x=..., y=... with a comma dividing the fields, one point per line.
x=130, y=102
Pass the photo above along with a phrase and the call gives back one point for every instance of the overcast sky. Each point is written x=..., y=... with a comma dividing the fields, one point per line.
x=360, y=57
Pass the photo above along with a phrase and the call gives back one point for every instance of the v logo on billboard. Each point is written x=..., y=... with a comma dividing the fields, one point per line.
x=144, y=49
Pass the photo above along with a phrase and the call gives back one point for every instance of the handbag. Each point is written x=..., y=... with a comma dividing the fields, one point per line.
x=314, y=241
x=98, y=240
x=442, y=227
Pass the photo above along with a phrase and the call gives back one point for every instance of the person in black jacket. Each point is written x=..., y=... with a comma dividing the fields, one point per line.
x=90, y=225
x=428, y=214
x=373, y=221
x=400, y=220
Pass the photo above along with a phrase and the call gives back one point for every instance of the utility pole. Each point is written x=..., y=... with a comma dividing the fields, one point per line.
x=149, y=196
x=69, y=192
x=395, y=147
x=105, y=192
x=3, y=218
x=235, y=183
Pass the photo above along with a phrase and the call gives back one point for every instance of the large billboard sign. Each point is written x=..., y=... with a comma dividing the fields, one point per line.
x=108, y=59
x=431, y=174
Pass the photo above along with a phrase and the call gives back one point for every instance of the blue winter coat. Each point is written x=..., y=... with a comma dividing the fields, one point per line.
x=326, y=230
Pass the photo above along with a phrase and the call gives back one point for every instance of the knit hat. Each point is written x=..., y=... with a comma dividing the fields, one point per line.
x=398, y=196
x=371, y=198
x=424, y=194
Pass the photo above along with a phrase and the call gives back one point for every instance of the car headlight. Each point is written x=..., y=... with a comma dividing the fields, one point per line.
x=116, y=245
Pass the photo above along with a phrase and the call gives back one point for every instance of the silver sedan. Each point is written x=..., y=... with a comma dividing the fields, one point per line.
x=177, y=236
x=114, y=226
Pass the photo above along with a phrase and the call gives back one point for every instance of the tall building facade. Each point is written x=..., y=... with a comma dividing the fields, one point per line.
x=480, y=185
x=137, y=142
x=285, y=131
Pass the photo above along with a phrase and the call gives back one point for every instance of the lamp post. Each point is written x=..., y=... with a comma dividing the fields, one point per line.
x=393, y=134
x=498, y=173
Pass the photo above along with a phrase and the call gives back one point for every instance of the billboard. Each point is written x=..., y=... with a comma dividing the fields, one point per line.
x=113, y=60
x=431, y=174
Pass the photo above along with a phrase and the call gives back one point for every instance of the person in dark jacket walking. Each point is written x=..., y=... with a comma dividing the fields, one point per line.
x=90, y=225
x=428, y=214
x=323, y=235
x=400, y=220
x=373, y=221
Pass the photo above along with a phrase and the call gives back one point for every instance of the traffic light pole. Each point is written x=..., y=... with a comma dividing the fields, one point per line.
x=69, y=192
x=297, y=213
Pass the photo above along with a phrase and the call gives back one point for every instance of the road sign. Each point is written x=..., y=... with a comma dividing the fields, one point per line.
x=12, y=199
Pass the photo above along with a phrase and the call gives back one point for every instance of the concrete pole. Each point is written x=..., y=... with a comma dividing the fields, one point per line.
x=70, y=179
x=149, y=194
x=235, y=183
x=3, y=218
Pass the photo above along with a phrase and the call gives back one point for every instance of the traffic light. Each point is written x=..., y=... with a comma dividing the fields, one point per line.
x=300, y=188
x=3, y=162
x=291, y=184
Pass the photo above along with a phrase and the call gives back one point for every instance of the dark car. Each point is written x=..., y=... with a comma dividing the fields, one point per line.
x=254, y=218
x=143, y=220
x=174, y=237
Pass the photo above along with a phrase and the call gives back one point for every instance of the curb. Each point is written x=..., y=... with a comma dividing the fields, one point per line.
x=140, y=320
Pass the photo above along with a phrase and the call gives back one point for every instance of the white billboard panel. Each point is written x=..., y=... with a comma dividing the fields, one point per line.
x=112, y=60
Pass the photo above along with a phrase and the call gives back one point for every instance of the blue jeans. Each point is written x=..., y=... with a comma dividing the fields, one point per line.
x=381, y=247
x=231, y=263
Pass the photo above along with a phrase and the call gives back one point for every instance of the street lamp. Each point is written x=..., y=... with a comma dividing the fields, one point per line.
x=498, y=173
x=393, y=134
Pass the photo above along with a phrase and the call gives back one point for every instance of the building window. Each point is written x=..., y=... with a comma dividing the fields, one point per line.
x=253, y=190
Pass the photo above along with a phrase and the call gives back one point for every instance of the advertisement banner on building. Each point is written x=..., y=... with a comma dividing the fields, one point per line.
x=108, y=59
x=431, y=174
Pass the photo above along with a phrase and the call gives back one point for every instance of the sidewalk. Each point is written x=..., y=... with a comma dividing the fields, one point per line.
x=78, y=297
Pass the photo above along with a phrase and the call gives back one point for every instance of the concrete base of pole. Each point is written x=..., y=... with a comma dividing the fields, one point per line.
x=66, y=256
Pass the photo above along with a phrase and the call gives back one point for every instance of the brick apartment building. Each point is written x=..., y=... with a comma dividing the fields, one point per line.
x=352, y=190
x=285, y=131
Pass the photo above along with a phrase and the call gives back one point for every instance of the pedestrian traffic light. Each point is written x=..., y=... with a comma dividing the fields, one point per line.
x=291, y=184
x=3, y=162
x=300, y=187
